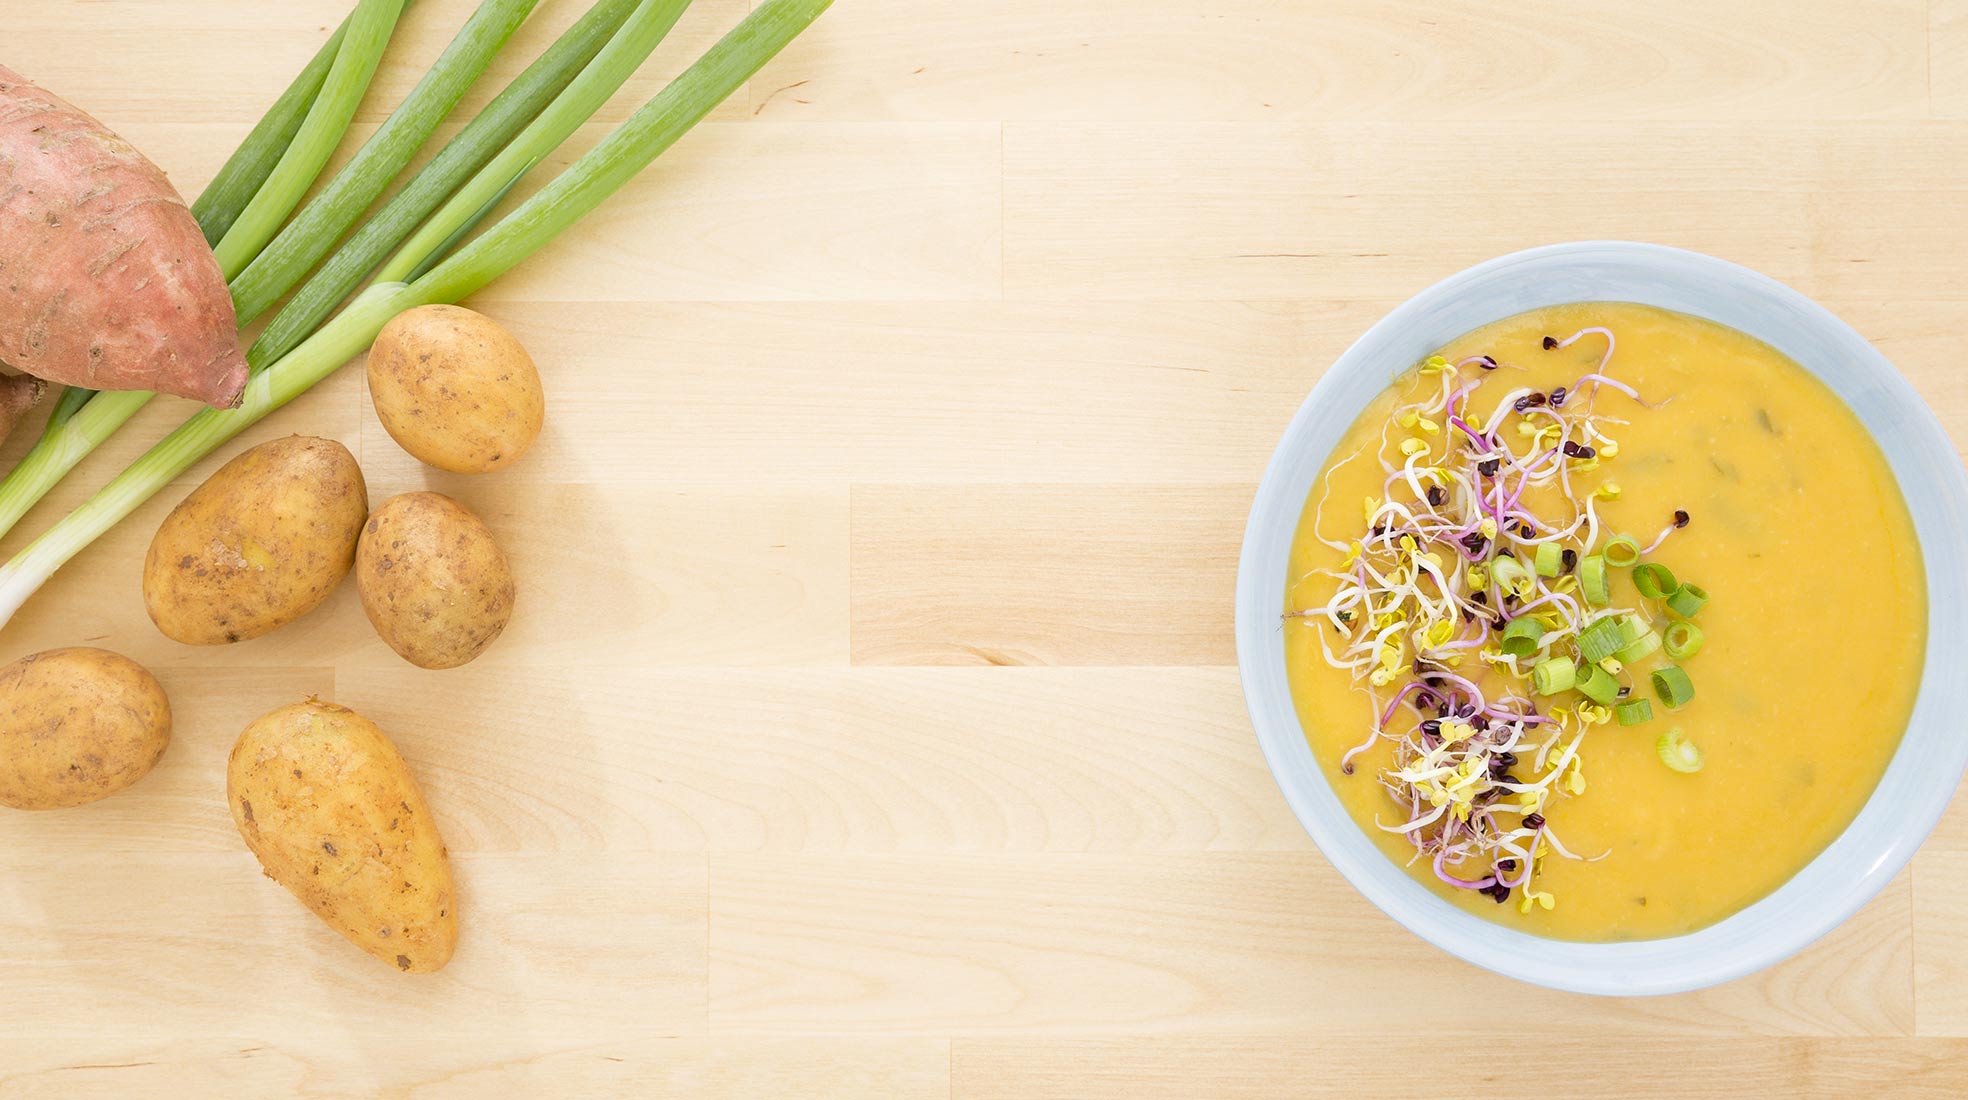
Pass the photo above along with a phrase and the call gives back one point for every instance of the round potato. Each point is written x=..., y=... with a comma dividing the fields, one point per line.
x=432, y=579
x=455, y=390
x=260, y=544
x=332, y=812
x=77, y=725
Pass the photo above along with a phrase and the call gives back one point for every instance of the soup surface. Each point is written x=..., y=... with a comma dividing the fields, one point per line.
x=1811, y=637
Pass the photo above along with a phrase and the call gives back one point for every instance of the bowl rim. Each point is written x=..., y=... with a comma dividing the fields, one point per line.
x=1836, y=883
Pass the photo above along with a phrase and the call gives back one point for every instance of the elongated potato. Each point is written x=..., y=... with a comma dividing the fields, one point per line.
x=77, y=725
x=260, y=544
x=327, y=804
x=433, y=580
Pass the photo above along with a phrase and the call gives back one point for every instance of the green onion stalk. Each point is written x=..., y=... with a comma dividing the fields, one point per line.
x=579, y=189
x=79, y=422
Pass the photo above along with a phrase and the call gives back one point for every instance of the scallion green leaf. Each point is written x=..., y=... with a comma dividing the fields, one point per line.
x=1601, y=639
x=1673, y=687
x=1553, y=675
x=1683, y=640
x=1520, y=636
x=1639, y=647
x=1593, y=584
x=1687, y=601
x=1653, y=580
x=1679, y=753
x=1633, y=712
x=1596, y=684
x=1621, y=551
x=1548, y=559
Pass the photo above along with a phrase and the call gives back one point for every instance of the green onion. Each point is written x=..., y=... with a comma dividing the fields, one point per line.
x=1549, y=559
x=314, y=231
x=1673, y=687
x=218, y=206
x=1598, y=641
x=368, y=33
x=1621, y=551
x=1593, y=585
x=59, y=451
x=1553, y=675
x=1653, y=580
x=1513, y=576
x=1639, y=647
x=580, y=188
x=1633, y=712
x=1687, y=601
x=1678, y=753
x=1520, y=636
x=1684, y=640
x=464, y=155
x=1597, y=684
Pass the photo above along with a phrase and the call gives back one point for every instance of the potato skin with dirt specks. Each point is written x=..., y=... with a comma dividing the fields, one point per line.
x=77, y=725
x=260, y=544
x=328, y=806
x=433, y=580
x=455, y=389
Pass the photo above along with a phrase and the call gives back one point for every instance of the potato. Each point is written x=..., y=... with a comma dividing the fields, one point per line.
x=260, y=544
x=77, y=725
x=455, y=390
x=328, y=806
x=432, y=580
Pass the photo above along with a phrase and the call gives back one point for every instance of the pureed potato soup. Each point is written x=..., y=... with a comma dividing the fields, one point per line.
x=1605, y=620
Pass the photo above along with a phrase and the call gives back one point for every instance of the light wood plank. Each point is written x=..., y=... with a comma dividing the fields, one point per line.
x=1022, y=575
x=953, y=392
x=337, y=1066
x=1266, y=61
x=867, y=760
x=1340, y=1067
x=556, y=949
x=1947, y=63
x=1188, y=944
x=741, y=211
x=1128, y=211
x=1940, y=877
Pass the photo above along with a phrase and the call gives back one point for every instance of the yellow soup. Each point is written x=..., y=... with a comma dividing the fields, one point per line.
x=1811, y=637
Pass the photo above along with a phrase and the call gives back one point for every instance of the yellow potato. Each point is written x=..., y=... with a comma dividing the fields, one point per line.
x=455, y=390
x=260, y=544
x=77, y=725
x=326, y=802
x=433, y=580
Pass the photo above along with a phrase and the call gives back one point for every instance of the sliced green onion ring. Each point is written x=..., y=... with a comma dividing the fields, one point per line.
x=1599, y=641
x=1597, y=684
x=1521, y=635
x=1592, y=581
x=1621, y=551
x=1549, y=559
x=1639, y=647
x=1654, y=580
x=1553, y=675
x=1513, y=577
x=1683, y=640
x=1687, y=600
x=1633, y=712
x=1673, y=687
x=1679, y=753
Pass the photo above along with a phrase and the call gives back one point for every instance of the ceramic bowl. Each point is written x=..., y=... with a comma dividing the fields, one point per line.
x=1922, y=775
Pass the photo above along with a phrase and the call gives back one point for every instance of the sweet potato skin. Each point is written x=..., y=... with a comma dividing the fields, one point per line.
x=105, y=278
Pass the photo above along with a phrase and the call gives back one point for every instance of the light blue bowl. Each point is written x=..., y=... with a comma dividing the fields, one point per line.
x=1922, y=775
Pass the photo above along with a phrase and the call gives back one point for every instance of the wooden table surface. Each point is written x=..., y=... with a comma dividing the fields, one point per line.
x=869, y=726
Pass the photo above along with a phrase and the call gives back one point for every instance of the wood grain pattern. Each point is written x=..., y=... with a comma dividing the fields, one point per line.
x=869, y=726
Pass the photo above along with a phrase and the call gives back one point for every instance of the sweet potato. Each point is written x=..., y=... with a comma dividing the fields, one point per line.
x=105, y=278
x=18, y=393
